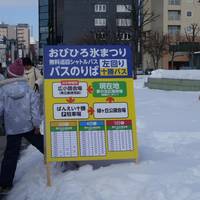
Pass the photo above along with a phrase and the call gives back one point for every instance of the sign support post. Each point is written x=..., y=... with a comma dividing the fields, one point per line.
x=48, y=169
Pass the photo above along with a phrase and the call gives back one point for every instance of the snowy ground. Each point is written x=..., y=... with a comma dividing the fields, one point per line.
x=169, y=158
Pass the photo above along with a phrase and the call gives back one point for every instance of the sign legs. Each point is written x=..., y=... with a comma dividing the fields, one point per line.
x=48, y=168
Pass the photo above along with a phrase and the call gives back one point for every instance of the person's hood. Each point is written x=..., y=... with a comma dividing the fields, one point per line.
x=12, y=87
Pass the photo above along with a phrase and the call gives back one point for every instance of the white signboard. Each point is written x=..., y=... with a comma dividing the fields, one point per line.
x=61, y=90
x=110, y=110
x=70, y=111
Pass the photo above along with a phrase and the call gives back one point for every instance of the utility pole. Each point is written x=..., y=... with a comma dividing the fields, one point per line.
x=135, y=11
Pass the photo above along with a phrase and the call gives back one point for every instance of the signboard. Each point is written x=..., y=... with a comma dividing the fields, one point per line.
x=89, y=103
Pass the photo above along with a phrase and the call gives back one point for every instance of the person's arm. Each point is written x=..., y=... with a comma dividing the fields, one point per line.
x=1, y=108
x=39, y=81
x=35, y=111
x=2, y=77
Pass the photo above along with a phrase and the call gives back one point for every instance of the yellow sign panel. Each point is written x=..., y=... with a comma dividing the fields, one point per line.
x=90, y=119
x=89, y=103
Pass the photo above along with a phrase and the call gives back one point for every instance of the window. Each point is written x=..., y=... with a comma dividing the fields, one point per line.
x=189, y=29
x=43, y=2
x=43, y=8
x=189, y=13
x=44, y=36
x=174, y=15
x=43, y=22
x=100, y=36
x=123, y=22
x=100, y=7
x=123, y=36
x=43, y=41
x=174, y=30
x=100, y=22
x=43, y=29
x=43, y=15
x=123, y=8
x=174, y=2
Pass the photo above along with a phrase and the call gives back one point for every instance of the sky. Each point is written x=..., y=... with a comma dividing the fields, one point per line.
x=169, y=159
x=20, y=11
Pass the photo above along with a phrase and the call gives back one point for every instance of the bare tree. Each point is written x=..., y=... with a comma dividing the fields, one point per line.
x=193, y=33
x=172, y=43
x=192, y=36
x=155, y=45
x=141, y=16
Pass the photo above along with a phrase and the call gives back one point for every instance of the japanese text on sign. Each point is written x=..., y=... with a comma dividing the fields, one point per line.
x=87, y=62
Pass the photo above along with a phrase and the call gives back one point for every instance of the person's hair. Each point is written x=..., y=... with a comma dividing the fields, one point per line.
x=26, y=61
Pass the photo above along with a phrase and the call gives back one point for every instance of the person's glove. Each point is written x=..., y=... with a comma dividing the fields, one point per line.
x=37, y=131
x=36, y=87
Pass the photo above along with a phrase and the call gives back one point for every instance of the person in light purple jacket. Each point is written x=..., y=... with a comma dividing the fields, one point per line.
x=19, y=108
x=1, y=73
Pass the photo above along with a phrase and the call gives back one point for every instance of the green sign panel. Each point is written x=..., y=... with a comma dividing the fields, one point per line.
x=63, y=128
x=112, y=88
x=91, y=128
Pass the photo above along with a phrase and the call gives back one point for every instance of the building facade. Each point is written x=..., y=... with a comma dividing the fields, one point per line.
x=23, y=39
x=176, y=18
x=3, y=35
x=14, y=42
x=89, y=21
x=3, y=30
x=12, y=34
x=43, y=25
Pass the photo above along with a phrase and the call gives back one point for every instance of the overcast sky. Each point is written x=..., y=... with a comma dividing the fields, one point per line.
x=20, y=11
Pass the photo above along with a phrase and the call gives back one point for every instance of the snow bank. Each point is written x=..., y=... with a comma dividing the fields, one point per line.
x=176, y=74
x=169, y=159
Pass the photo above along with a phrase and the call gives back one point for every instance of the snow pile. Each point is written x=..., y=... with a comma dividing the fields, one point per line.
x=169, y=158
x=176, y=74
